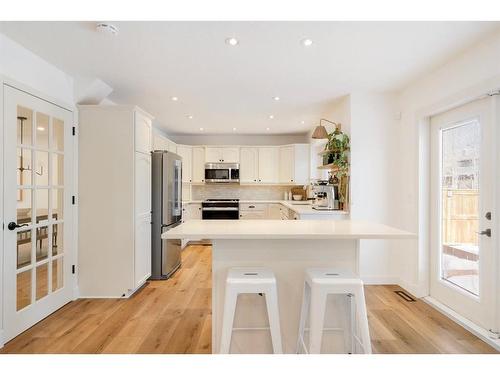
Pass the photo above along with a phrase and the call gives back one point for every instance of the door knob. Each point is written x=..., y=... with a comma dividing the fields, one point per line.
x=486, y=232
x=13, y=225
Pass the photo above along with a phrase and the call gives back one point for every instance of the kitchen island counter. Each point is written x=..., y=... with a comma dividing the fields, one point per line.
x=288, y=248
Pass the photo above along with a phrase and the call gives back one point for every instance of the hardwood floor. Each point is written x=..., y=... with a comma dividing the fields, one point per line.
x=174, y=316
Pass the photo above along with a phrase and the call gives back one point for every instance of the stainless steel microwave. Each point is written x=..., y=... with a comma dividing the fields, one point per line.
x=222, y=173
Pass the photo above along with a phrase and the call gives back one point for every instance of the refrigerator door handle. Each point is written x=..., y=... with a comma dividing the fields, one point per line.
x=177, y=188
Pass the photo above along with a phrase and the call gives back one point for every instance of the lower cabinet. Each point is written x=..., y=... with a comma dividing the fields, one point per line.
x=142, y=255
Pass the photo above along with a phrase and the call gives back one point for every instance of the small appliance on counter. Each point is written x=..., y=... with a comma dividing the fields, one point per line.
x=220, y=209
x=326, y=197
x=166, y=212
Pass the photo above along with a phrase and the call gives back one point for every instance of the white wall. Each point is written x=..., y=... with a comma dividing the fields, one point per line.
x=23, y=66
x=470, y=74
x=224, y=139
x=374, y=120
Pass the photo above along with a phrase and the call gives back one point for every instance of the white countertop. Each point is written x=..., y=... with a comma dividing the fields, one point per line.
x=284, y=229
x=300, y=208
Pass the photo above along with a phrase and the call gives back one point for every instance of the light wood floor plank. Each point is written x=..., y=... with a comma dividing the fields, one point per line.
x=174, y=316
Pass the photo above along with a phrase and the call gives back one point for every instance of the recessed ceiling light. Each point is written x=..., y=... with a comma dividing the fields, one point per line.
x=106, y=28
x=232, y=41
x=41, y=128
x=201, y=129
x=175, y=98
x=190, y=117
x=277, y=98
x=234, y=129
x=271, y=117
x=302, y=122
x=268, y=129
x=307, y=42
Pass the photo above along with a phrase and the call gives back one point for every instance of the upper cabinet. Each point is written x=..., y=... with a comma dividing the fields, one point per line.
x=222, y=155
x=162, y=143
x=186, y=153
x=294, y=164
x=268, y=165
x=143, y=126
x=249, y=165
x=198, y=172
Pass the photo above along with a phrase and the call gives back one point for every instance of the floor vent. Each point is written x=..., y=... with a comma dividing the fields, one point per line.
x=405, y=295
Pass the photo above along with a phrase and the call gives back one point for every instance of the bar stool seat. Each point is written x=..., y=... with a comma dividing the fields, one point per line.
x=318, y=285
x=250, y=280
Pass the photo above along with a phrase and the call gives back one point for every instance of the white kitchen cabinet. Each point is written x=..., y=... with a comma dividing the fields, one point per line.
x=222, y=155
x=253, y=211
x=294, y=164
x=249, y=165
x=268, y=165
x=198, y=173
x=186, y=153
x=274, y=211
x=191, y=211
x=143, y=134
x=160, y=142
x=114, y=242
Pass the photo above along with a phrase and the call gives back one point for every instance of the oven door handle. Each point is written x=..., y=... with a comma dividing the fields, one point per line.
x=220, y=209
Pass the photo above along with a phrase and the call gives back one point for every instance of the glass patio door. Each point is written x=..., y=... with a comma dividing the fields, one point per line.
x=462, y=217
x=38, y=157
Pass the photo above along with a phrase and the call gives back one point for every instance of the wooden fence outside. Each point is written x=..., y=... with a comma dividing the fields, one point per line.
x=460, y=216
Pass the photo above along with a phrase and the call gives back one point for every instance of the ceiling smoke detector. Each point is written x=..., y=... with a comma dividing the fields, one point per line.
x=106, y=28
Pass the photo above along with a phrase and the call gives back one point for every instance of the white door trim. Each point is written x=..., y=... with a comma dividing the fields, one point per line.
x=4, y=80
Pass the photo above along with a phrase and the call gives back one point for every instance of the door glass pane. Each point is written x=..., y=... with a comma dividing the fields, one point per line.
x=24, y=206
x=57, y=274
x=23, y=289
x=57, y=204
x=57, y=239
x=41, y=172
x=460, y=205
x=24, y=126
x=24, y=247
x=42, y=130
x=24, y=163
x=57, y=134
x=42, y=281
x=42, y=243
x=42, y=205
x=57, y=169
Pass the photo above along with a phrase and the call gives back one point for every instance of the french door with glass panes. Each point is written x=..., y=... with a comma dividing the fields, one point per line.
x=38, y=183
x=463, y=269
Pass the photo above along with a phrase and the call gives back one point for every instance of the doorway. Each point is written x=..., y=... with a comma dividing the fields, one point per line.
x=462, y=258
x=38, y=217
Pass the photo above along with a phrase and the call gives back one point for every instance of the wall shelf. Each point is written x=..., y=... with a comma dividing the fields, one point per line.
x=332, y=167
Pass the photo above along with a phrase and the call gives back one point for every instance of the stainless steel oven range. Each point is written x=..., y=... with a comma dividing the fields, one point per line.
x=220, y=209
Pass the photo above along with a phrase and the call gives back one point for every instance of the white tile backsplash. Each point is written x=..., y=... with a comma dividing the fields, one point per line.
x=243, y=192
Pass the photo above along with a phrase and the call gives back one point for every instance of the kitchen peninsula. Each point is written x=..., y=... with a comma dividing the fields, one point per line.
x=288, y=248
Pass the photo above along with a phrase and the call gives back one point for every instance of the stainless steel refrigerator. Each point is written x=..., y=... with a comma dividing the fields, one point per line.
x=166, y=212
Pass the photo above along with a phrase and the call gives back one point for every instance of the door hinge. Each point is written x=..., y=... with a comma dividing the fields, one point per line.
x=74, y=130
x=73, y=269
x=73, y=200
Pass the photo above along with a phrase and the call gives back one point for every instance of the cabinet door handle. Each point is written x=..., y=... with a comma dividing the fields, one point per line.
x=251, y=206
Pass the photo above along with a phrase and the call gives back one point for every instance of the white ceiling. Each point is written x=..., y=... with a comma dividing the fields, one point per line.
x=226, y=87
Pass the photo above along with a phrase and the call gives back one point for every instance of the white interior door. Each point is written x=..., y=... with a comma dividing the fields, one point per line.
x=38, y=176
x=462, y=211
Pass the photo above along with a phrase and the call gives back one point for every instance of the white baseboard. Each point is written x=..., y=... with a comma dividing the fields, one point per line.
x=2, y=341
x=379, y=280
x=473, y=328
x=414, y=289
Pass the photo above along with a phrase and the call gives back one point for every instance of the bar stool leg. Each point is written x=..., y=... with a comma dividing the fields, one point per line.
x=352, y=320
x=347, y=324
x=362, y=320
x=227, y=320
x=317, y=317
x=304, y=313
x=274, y=320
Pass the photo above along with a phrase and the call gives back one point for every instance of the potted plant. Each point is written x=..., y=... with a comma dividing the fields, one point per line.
x=339, y=144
